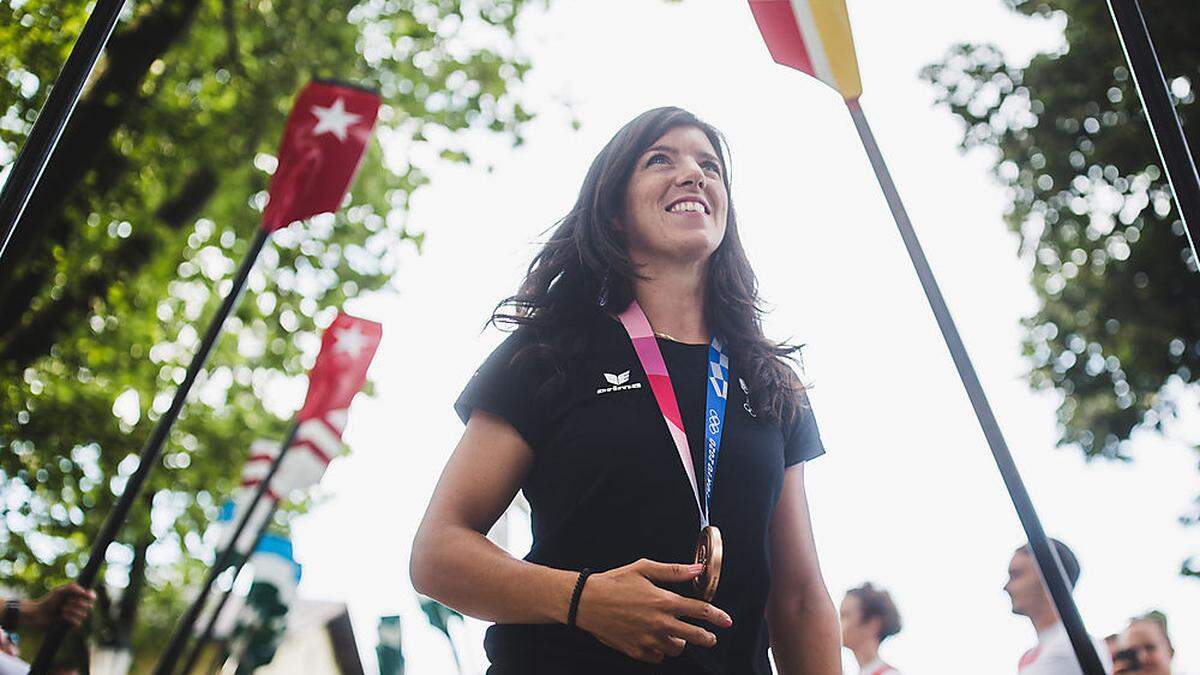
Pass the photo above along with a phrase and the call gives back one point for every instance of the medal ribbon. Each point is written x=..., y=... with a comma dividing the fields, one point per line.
x=650, y=356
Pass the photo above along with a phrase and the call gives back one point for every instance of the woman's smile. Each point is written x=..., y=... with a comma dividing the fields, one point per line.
x=689, y=205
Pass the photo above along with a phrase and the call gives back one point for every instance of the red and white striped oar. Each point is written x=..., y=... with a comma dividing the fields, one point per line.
x=813, y=36
x=347, y=348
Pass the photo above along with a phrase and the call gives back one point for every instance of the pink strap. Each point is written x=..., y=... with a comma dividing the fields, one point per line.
x=648, y=353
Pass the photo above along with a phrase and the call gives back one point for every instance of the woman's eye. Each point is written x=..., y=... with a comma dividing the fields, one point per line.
x=655, y=159
x=713, y=167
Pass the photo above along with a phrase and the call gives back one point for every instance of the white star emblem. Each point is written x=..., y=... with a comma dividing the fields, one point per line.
x=350, y=341
x=334, y=120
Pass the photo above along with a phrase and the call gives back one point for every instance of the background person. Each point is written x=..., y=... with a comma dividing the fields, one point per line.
x=1053, y=654
x=1150, y=644
x=868, y=618
x=70, y=602
x=10, y=663
x=1112, y=643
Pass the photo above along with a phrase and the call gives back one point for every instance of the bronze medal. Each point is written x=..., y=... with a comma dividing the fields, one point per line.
x=708, y=553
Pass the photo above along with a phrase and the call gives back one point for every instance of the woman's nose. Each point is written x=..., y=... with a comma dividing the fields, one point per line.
x=691, y=173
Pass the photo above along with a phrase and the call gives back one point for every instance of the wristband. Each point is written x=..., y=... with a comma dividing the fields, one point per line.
x=574, y=609
x=12, y=616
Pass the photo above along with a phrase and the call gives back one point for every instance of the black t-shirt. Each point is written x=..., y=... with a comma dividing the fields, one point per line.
x=607, y=488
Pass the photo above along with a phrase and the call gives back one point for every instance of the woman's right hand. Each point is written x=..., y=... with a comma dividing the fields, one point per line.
x=625, y=610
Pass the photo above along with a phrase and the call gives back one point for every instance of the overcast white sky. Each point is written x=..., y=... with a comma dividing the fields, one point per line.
x=908, y=495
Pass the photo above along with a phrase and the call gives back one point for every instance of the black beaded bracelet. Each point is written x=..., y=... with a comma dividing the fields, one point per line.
x=11, y=618
x=583, y=575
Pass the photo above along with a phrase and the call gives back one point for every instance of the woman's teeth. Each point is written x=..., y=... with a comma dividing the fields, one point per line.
x=682, y=207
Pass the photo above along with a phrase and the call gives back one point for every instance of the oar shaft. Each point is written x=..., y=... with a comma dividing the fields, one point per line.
x=206, y=635
x=39, y=146
x=183, y=630
x=150, y=452
x=1164, y=122
x=1043, y=551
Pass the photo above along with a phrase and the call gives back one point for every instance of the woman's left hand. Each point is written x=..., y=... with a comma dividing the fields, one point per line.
x=626, y=610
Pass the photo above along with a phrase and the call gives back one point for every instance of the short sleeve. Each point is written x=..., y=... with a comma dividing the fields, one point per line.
x=508, y=387
x=802, y=440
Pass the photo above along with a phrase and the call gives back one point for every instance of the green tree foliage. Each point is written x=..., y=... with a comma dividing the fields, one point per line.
x=1117, y=333
x=138, y=226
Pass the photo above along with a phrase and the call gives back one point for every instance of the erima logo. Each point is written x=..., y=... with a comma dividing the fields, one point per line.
x=617, y=379
x=618, y=382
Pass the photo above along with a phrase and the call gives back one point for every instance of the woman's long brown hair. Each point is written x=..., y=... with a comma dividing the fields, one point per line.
x=558, y=299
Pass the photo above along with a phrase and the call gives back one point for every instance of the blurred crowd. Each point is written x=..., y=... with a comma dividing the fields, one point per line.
x=1144, y=647
x=869, y=617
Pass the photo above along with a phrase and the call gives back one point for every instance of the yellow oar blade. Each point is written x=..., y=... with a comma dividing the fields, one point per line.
x=812, y=36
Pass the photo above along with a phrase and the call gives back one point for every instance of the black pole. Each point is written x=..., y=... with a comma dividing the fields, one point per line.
x=1164, y=123
x=1047, y=558
x=206, y=635
x=53, y=117
x=220, y=655
x=149, y=456
x=193, y=654
x=183, y=629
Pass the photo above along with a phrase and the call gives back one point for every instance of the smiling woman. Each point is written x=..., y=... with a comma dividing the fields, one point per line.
x=672, y=221
x=607, y=407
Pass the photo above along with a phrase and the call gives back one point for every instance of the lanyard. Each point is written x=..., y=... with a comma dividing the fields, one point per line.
x=650, y=356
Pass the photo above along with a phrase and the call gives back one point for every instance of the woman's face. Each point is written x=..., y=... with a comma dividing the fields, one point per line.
x=1151, y=645
x=676, y=205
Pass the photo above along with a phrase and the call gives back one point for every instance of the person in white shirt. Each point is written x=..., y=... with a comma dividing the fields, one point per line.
x=1052, y=655
x=868, y=618
x=10, y=664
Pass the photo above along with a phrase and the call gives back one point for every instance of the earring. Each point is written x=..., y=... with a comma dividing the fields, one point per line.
x=602, y=296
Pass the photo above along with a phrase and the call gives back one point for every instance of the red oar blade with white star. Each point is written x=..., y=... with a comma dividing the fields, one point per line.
x=347, y=348
x=322, y=146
